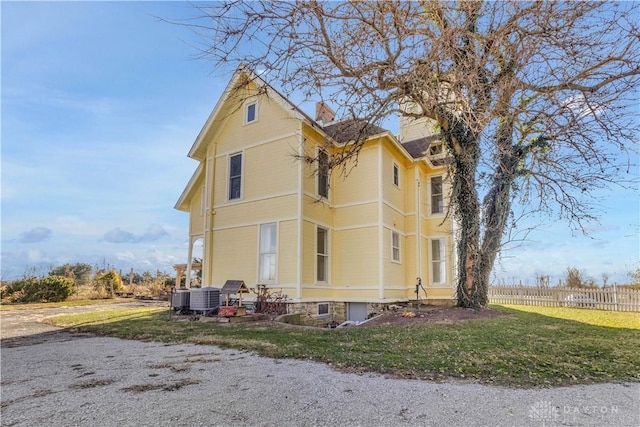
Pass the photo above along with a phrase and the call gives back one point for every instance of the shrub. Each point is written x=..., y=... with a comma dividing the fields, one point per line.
x=45, y=289
x=109, y=282
x=56, y=288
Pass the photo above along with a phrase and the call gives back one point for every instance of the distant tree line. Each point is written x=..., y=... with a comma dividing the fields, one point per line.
x=83, y=280
x=576, y=278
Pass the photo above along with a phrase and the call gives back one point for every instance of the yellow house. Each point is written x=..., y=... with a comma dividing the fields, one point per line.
x=338, y=246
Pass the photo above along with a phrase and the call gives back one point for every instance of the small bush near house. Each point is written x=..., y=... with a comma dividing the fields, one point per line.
x=44, y=289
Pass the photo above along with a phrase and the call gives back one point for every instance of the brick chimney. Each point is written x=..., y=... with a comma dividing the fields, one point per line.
x=324, y=113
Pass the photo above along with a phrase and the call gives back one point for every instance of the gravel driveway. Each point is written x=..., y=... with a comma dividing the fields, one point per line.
x=53, y=377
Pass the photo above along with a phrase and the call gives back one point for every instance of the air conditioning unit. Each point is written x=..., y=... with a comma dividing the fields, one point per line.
x=180, y=299
x=204, y=299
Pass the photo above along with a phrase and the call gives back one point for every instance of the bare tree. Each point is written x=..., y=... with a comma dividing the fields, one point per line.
x=533, y=100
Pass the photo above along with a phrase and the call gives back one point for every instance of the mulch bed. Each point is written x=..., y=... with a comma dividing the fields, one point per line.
x=432, y=314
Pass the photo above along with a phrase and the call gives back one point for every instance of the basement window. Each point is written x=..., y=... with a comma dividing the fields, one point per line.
x=323, y=309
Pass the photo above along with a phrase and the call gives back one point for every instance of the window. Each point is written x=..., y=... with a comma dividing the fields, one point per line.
x=438, y=261
x=323, y=174
x=395, y=246
x=251, y=112
x=268, y=253
x=322, y=258
x=396, y=175
x=235, y=176
x=323, y=309
x=437, y=195
x=436, y=148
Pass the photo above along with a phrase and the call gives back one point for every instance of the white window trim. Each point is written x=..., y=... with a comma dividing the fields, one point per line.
x=229, y=199
x=399, y=247
x=443, y=243
x=328, y=196
x=245, y=111
x=430, y=200
x=395, y=168
x=327, y=256
x=259, y=279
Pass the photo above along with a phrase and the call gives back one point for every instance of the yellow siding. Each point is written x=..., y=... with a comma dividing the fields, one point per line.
x=355, y=257
x=261, y=177
x=318, y=293
x=317, y=211
x=439, y=293
x=308, y=253
x=356, y=216
x=400, y=294
x=287, y=250
x=392, y=218
x=235, y=255
x=196, y=217
x=273, y=122
x=394, y=272
x=361, y=184
x=258, y=179
x=393, y=194
x=370, y=294
x=261, y=211
x=311, y=143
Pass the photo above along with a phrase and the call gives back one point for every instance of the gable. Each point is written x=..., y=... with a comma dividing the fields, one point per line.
x=243, y=86
x=183, y=203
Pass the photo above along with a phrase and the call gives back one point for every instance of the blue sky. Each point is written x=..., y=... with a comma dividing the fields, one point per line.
x=100, y=104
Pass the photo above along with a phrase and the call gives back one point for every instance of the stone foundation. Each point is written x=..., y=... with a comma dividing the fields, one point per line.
x=337, y=312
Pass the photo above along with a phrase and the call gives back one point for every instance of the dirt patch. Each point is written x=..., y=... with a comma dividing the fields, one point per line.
x=431, y=314
x=177, y=385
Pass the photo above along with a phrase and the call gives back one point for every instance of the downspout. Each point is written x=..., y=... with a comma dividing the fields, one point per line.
x=300, y=211
x=418, y=226
x=207, y=247
x=380, y=223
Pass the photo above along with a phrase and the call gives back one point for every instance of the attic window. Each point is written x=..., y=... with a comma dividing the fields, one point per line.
x=436, y=149
x=251, y=112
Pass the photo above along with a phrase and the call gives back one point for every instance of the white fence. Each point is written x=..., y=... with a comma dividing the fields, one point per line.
x=613, y=298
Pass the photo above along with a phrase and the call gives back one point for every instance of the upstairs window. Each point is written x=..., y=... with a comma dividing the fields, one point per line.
x=395, y=246
x=235, y=176
x=437, y=195
x=396, y=175
x=323, y=174
x=322, y=255
x=251, y=112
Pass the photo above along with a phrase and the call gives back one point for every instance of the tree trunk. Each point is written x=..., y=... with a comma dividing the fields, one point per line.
x=465, y=148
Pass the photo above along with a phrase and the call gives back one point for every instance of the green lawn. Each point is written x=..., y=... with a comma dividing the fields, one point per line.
x=529, y=347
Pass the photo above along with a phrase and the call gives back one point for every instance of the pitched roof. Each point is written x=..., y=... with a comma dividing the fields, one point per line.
x=348, y=130
x=418, y=147
x=198, y=148
x=234, y=287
